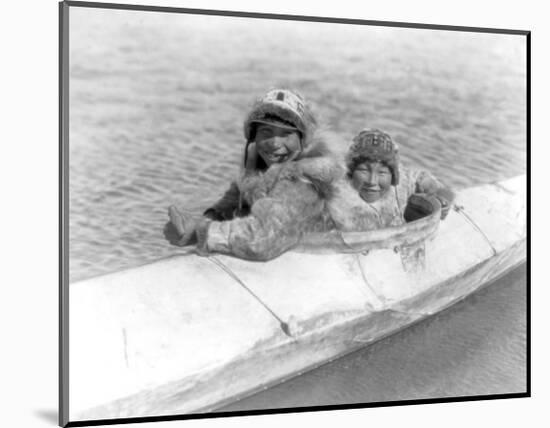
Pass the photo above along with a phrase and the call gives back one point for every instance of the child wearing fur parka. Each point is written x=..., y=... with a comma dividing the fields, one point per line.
x=377, y=189
x=288, y=171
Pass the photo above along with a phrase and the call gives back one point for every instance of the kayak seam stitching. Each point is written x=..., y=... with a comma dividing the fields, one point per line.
x=381, y=299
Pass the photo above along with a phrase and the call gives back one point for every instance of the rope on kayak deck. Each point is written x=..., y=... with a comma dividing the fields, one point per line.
x=284, y=326
x=460, y=209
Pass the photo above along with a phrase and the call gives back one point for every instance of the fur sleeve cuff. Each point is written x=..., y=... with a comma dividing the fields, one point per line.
x=202, y=238
x=212, y=237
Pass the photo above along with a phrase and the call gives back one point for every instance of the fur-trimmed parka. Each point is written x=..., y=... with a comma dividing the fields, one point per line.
x=285, y=201
x=350, y=212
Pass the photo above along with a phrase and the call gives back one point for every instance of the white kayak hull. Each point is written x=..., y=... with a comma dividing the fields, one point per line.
x=182, y=335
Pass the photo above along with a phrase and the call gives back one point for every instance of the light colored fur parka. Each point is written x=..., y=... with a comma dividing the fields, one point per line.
x=286, y=201
x=350, y=212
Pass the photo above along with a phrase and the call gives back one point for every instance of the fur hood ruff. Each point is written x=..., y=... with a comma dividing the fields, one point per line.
x=320, y=164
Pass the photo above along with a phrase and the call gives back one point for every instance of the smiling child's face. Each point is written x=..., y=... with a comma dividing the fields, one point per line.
x=276, y=144
x=372, y=180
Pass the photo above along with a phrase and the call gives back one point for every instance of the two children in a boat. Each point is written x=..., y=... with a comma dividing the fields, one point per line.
x=376, y=191
x=274, y=201
x=295, y=180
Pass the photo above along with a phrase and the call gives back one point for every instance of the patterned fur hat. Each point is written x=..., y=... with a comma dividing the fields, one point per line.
x=374, y=145
x=281, y=107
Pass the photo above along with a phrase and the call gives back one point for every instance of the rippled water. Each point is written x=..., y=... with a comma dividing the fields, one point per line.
x=156, y=109
x=157, y=103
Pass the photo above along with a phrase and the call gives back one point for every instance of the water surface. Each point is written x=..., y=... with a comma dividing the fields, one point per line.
x=157, y=103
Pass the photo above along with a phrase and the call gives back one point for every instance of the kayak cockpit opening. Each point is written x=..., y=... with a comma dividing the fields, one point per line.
x=422, y=216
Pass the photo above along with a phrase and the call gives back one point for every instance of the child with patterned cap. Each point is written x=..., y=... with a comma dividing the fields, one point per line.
x=288, y=168
x=378, y=189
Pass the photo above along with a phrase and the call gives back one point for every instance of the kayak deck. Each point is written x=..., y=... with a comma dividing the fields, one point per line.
x=188, y=334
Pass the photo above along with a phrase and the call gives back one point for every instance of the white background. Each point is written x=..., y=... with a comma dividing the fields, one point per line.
x=29, y=211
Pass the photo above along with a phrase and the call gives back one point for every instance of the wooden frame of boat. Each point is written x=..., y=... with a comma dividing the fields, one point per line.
x=189, y=334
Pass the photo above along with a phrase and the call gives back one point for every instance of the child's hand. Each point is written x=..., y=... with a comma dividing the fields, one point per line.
x=180, y=230
x=419, y=205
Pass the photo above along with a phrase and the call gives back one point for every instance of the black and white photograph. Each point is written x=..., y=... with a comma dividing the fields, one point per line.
x=268, y=213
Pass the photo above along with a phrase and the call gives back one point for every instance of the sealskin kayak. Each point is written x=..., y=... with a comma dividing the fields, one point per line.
x=189, y=334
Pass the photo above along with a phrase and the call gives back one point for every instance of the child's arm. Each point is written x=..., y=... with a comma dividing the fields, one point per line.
x=425, y=182
x=226, y=206
x=275, y=225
